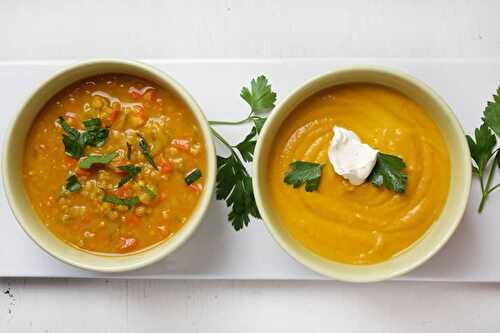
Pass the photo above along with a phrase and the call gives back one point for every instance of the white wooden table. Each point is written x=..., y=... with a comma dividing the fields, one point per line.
x=241, y=29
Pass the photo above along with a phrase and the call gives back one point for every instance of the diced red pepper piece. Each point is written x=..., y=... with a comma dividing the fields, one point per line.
x=123, y=190
x=135, y=94
x=113, y=115
x=83, y=172
x=69, y=162
x=165, y=167
x=197, y=187
x=133, y=219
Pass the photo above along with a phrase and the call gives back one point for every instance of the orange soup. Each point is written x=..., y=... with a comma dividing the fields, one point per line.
x=114, y=164
x=360, y=224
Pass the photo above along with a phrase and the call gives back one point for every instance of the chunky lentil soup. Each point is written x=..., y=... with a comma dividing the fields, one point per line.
x=114, y=164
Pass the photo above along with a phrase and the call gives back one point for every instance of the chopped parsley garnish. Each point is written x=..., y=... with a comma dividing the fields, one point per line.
x=129, y=202
x=388, y=172
x=192, y=176
x=301, y=172
x=143, y=145
x=74, y=141
x=72, y=184
x=482, y=149
x=94, y=134
x=89, y=161
x=131, y=171
x=149, y=192
x=129, y=151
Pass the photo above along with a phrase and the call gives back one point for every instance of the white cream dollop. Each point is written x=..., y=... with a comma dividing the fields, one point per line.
x=349, y=157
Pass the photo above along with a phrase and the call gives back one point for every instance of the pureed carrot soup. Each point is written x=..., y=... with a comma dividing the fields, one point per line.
x=362, y=224
x=114, y=164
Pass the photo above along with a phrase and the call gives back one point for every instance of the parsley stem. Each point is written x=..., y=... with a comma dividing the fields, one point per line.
x=220, y=122
x=228, y=145
x=493, y=188
x=483, y=201
x=222, y=140
x=490, y=176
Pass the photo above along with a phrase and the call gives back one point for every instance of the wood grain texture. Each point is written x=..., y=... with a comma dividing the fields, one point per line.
x=247, y=29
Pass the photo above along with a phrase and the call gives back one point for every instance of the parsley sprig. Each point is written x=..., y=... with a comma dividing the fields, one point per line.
x=388, y=171
x=234, y=183
x=482, y=149
x=301, y=172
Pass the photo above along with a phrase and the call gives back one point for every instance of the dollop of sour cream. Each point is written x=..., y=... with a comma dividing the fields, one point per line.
x=349, y=157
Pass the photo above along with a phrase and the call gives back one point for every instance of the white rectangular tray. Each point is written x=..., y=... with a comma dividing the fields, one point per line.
x=216, y=251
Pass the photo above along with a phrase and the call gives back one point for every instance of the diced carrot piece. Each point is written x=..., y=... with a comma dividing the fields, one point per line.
x=133, y=219
x=165, y=167
x=82, y=172
x=69, y=162
x=181, y=144
x=136, y=94
x=113, y=115
x=196, y=187
x=123, y=190
x=127, y=243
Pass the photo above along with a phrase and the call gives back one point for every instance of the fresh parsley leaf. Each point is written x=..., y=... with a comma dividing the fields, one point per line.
x=129, y=202
x=72, y=132
x=259, y=123
x=89, y=161
x=131, y=171
x=94, y=135
x=301, y=172
x=234, y=185
x=149, y=192
x=388, y=172
x=260, y=96
x=143, y=145
x=492, y=113
x=72, y=184
x=247, y=146
x=73, y=148
x=73, y=141
x=481, y=149
x=129, y=151
x=192, y=176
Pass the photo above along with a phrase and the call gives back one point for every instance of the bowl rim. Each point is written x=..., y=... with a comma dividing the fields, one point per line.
x=191, y=224
x=291, y=249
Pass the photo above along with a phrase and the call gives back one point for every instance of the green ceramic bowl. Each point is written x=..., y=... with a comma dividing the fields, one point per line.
x=438, y=233
x=13, y=159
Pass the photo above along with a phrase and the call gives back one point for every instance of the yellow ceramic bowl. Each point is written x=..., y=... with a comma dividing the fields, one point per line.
x=13, y=159
x=438, y=233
